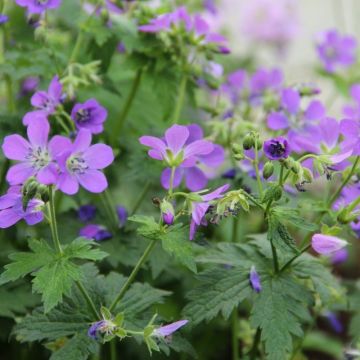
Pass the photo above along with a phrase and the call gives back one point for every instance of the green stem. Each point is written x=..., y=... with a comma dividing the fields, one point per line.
x=141, y=197
x=172, y=180
x=234, y=334
x=344, y=183
x=133, y=274
x=254, y=349
x=113, y=350
x=275, y=258
x=88, y=300
x=180, y=99
x=281, y=181
x=256, y=165
x=123, y=115
x=53, y=223
x=78, y=45
x=304, y=249
x=10, y=94
x=110, y=210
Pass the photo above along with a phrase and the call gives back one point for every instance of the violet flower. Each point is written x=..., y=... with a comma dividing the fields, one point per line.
x=290, y=114
x=89, y=115
x=122, y=215
x=352, y=110
x=167, y=330
x=335, y=322
x=234, y=87
x=327, y=244
x=11, y=209
x=350, y=129
x=28, y=85
x=277, y=148
x=340, y=256
x=197, y=171
x=80, y=163
x=86, y=212
x=100, y=328
x=254, y=279
x=95, y=232
x=174, y=150
x=270, y=22
x=45, y=101
x=3, y=19
x=199, y=209
x=336, y=50
x=36, y=156
x=38, y=6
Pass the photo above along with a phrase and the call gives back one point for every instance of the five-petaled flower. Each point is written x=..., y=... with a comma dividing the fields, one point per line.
x=276, y=149
x=38, y=6
x=80, y=163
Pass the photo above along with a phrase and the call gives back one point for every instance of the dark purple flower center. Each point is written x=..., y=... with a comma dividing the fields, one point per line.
x=38, y=157
x=277, y=149
x=41, y=2
x=84, y=115
x=76, y=164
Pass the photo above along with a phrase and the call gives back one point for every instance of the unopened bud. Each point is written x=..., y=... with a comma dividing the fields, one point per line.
x=248, y=142
x=268, y=170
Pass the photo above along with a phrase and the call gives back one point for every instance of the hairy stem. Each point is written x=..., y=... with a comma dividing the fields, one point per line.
x=256, y=165
x=172, y=180
x=254, y=349
x=133, y=274
x=123, y=115
x=88, y=300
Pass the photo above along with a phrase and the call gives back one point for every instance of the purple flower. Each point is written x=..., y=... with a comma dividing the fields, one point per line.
x=28, y=85
x=80, y=163
x=334, y=322
x=199, y=209
x=167, y=330
x=102, y=327
x=122, y=215
x=234, y=87
x=36, y=156
x=335, y=50
x=350, y=129
x=45, y=101
x=38, y=6
x=276, y=149
x=352, y=110
x=196, y=170
x=229, y=174
x=290, y=114
x=174, y=150
x=210, y=6
x=3, y=19
x=255, y=279
x=89, y=115
x=87, y=212
x=95, y=232
x=180, y=19
x=270, y=22
x=327, y=244
x=11, y=209
x=339, y=256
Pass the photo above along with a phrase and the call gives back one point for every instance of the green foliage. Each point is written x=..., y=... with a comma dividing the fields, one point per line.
x=279, y=310
x=54, y=274
x=293, y=216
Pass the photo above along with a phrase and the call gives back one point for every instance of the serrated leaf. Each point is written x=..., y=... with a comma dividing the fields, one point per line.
x=220, y=290
x=278, y=310
x=54, y=280
x=149, y=227
x=293, y=217
x=176, y=243
x=82, y=248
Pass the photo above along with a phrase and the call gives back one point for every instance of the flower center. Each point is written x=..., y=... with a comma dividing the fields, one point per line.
x=38, y=157
x=277, y=149
x=76, y=164
x=42, y=2
x=330, y=53
x=83, y=115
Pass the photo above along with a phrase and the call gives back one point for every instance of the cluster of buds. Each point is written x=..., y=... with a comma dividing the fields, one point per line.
x=34, y=190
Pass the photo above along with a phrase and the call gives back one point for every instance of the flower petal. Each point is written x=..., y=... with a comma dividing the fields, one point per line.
x=93, y=181
x=199, y=147
x=326, y=244
x=277, y=121
x=165, y=178
x=82, y=141
x=58, y=144
x=195, y=179
x=19, y=173
x=154, y=143
x=34, y=218
x=38, y=132
x=99, y=156
x=47, y=175
x=15, y=147
x=68, y=184
x=176, y=137
x=8, y=218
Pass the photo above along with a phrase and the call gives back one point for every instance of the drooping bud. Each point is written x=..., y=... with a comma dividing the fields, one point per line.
x=249, y=141
x=236, y=148
x=29, y=191
x=255, y=279
x=268, y=170
x=167, y=212
x=43, y=192
x=327, y=244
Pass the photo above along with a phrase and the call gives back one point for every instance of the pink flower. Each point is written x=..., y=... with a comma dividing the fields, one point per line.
x=36, y=156
x=80, y=164
x=38, y=6
x=327, y=244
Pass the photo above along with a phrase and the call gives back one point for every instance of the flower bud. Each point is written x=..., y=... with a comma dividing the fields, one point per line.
x=268, y=170
x=249, y=141
x=236, y=149
x=307, y=174
x=326, y=244
x=167, y=211
x=43, y=191
x=239, y=157
x=295, y=167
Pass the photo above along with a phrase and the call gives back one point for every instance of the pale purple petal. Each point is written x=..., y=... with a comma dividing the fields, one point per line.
x=93, y=181
x=68, y=184
x=34, y=218
x=195, y=179
x=176, y=137
x=19, y=173
x=155, y=154
x=255, y=279
x=8, y=200
x=38, y=132
x=193, y=228
x=315, y=111
x=216, y=194
x=326, y=244
x=98, y=156
x=165, y=178
x=291, y=100
x=198, y=212
x=34, y=116
x=169, y=329
x=277, y=121
x=330, y=131
x=199, y=147
x=47, y=175
x=82, y=141
x=58, y=144
x=215, y=158
x=154, y=143
x=15, y=147
x=8, y=218
x=195, y=133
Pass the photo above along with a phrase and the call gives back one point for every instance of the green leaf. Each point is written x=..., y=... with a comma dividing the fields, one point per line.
x=82, y=248
x=24, y=263
x=149, y=227
x=323, y=343
x=220, y=290
x=278, y=310
x=293, y=217
x=54, y=280
x=279, y=236
x=176, y=243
